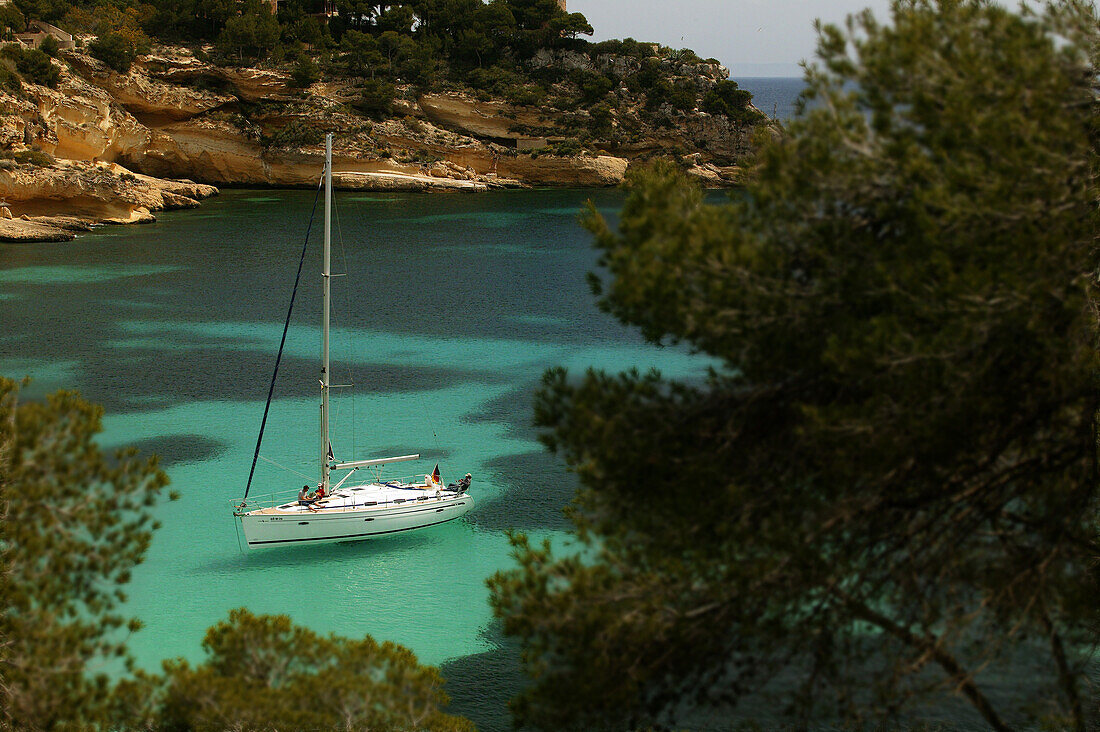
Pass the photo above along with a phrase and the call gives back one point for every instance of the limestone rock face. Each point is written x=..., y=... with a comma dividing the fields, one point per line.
x=177, y=116
x=561, y=58
x=387, y=181
x=15, y=115
x=203, y=149
x=178, y=67
x=601, y=170
x=143, y=95
x=495, y=120
x=621, y=66
x=24, y=230
x=76, y=121
x=255, y=85
x=139, y=215
x=719, y=136
x=89, y=192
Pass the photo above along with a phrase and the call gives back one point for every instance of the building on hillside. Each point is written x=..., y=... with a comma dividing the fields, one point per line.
x=34, y=38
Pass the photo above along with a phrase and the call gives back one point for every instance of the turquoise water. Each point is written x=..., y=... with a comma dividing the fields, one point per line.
x=452, y=308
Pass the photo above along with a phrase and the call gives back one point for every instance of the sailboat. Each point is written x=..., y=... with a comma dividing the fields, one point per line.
x=342, y=508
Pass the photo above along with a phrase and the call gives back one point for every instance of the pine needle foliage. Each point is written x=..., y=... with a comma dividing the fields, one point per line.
x=262, y=672
x=889, y=490
x=74, y=523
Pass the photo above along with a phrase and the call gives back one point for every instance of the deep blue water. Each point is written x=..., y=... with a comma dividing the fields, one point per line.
x=774, y=96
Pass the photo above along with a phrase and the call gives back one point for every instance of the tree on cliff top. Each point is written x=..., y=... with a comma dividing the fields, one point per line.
x=73, y=525
x=252, y=34
x=892, y=482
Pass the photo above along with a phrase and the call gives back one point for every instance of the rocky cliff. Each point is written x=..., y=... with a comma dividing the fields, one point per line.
x=121, y=143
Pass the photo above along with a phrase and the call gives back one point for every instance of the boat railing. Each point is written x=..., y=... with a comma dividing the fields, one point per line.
x=289, y=497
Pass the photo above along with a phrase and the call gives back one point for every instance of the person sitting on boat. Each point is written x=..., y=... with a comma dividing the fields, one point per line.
x=461, y=486
x=302, y=496
x=312, y=501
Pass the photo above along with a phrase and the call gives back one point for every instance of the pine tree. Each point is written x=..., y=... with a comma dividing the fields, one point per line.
x=73, y=524
x=891, y=481
x=265, y=673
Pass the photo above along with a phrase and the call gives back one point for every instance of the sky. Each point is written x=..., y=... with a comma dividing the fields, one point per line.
x=750, y=37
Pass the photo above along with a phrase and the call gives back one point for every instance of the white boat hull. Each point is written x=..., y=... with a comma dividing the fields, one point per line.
x=278, y=527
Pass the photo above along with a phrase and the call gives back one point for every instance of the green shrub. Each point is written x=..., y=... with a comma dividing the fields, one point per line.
x=36, y=158
x=625, y=47
x=567, y=148
x=49, y=47
x=593, y=86
x=32, y=65
x=11, y=19
x=424, y=157
x=648, y=75
x=727, y=100
x=376, y=99
x=601, y=120
x=494, y=79
x=299, y=133
x=680, y=97
x=305, y=72
x=114, y=50
x=9, y=80
x=525, y=95
x=685, y=56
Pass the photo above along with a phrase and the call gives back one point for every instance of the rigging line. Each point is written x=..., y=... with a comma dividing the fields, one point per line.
x=289, y=470
x=282, y=343
x=237, y=531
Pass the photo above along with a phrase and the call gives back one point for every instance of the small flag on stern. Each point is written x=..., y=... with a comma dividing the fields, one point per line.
x=435, y=475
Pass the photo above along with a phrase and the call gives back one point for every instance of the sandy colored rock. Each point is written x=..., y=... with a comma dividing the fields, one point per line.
x=250, y=85
x=706, y=175
x=180, y=130
x=23, y=230
x=142, y=94
x=123, y=142
x=209, y=150
x=382, y=181
x=582, y=170
x=139, y=215
x=92, y=192
x=76, y=121
x=481, y=119
x=174, y=201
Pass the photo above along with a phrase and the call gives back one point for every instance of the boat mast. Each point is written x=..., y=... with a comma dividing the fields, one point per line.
x=326, y=278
